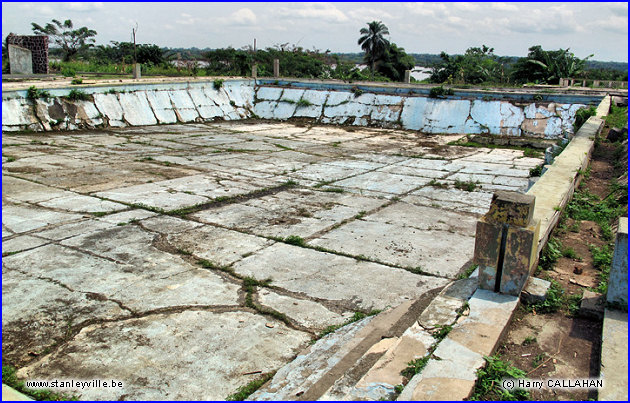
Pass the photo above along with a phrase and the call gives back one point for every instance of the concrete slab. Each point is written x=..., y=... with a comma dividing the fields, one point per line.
x=347, y=282
x=140, y=352
x=614, y=358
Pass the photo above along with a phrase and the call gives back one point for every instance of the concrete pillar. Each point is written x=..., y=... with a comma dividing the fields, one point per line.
x=137, y=70
x=618, y=280
x=583, y=83
x=255, y=70
x=595, y=83
x=572, y=82
x=506, y=243
x=610, y=84
x=20, y=60
x=407, y=76
x=276, y=68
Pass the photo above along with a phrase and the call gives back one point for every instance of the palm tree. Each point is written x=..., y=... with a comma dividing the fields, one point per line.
x=373, y=43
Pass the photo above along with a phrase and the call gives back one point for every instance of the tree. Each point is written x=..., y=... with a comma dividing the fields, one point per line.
x=373, y=43
x=394, y=63
x=548, y=66
x=72, y=41
x=476, y=66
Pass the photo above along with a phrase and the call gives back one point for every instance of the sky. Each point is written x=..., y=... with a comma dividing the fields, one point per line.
x=510, y=28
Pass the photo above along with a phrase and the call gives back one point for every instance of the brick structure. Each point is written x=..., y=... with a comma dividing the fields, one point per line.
x=38, y=45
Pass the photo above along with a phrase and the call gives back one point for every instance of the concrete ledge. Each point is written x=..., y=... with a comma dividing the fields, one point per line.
x=555, y=188
x=10, y=394
x=452, y=375
x=614, y=361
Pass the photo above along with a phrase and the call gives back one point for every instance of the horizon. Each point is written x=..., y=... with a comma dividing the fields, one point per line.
x=420, y=28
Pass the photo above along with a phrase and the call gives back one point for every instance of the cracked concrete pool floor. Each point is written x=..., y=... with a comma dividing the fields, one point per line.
x=105, y=235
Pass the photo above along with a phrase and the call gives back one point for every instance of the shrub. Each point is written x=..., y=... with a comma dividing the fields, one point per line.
x=78, y=95
x=33, y=93
x=439, y=92
x=218, y=84
x=76, y=81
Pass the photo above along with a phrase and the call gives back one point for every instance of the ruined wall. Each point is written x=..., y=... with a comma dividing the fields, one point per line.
x=38, y=45
x=239, y=99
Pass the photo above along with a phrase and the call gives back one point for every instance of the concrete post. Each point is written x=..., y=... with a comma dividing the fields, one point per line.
x=618, y=280
x=506, y=243
x=572, y=82
x=583, y=83
x=255, y=70
x=276, y=68
x=595, y=83
x=407, y=76
x=610, y=84
x=20, y=60
x=137, y=70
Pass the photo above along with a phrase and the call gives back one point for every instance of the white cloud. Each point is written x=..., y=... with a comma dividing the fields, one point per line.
x=504, y=6
x=427, y=9
x=466, y=6
x=243, y=16
x=317, y=11
x=615, y=24
x=370, y=14
x=82, y=6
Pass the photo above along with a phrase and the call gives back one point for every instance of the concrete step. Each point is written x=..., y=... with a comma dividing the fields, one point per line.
x=363, y=361
x=342, y=353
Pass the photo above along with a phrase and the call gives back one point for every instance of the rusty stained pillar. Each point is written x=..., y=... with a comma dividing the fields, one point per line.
x=254, y=70
x=506, y=243
x=276, y=68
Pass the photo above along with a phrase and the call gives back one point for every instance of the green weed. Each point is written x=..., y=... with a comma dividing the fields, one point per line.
x=466, y=273
x=218, y=84
x=295, y=240
x=302, y=103
x=468, y=186
x=488, y=385
x=529, y=340
x=76, y=81
x=32, y=93
x=77, y=95
x=244, y=391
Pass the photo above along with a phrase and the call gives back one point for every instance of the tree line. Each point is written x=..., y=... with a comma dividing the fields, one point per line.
x=385, y=60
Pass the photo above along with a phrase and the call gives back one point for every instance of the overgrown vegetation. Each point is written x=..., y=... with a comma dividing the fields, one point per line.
x=582, y=116
x=77, y=95
x=488, y=385
x=468, y=186
x=440, y=92
x=33, y=93
x=218, y=84
x=618, y=116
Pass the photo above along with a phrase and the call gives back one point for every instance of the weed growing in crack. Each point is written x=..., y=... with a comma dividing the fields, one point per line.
x=441, y=331
x=355, y=318
x=333, y=190
x=467, y=272
x=468, y=186
x=295, y=240
x=245, y=391
x=434, y=183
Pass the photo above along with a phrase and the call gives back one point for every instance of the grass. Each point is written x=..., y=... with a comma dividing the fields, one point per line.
x=468, y=186
x=10, y=378
x=76, y=81
x=550, y=254
x=77, y=95
x=9, y=158
x=527, y=151
x=582, y=116
x=355, y=318
x=244, y=391
x=538, y=359
x=602, y=260
x=295, y=240
x=302, y=103
x=466, y=273
x=529, y=340
x=416, y=366
x=434, y=183
x=554, y=299
x=360, y=215
x=587, y=206
x=334, y=190
x=283, y=147
x=618, y=116
x=441, y=331
x=536, y=171
x=488, y=385
x=569, y=253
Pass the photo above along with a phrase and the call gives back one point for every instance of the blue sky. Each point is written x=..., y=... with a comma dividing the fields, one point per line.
x=510, y=28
